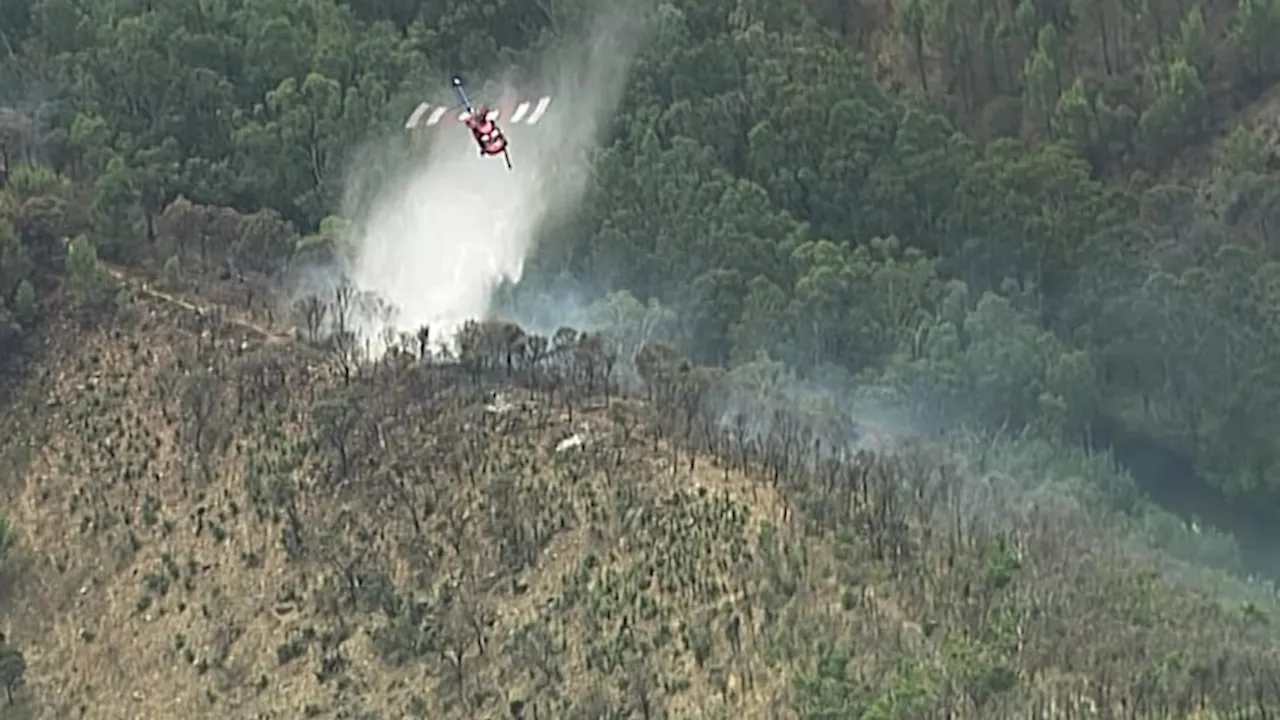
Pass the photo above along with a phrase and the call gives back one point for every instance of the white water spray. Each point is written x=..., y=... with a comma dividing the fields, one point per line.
x=437, y=242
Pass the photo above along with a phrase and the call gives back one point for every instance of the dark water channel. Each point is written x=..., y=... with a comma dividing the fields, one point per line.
x=1169, y=479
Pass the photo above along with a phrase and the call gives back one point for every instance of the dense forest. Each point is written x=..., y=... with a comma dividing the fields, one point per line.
x=1049, y=220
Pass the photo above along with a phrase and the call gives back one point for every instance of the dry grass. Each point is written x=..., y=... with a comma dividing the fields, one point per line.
x=405, y=547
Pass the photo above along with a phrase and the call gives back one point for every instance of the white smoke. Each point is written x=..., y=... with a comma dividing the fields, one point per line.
x=436, y=242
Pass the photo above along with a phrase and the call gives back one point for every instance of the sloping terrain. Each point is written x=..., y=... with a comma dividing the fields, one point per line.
x=214, y=521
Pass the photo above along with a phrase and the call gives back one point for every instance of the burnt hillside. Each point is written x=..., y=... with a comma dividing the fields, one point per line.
x=213, y=519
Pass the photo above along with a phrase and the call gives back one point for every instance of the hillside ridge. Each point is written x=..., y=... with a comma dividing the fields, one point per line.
x=266, y=564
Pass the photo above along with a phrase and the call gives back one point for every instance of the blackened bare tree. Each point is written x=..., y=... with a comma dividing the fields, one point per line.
x=337, y=419
x=312, y=311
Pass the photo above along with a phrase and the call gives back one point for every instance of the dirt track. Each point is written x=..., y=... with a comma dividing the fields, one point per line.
x=142, y=286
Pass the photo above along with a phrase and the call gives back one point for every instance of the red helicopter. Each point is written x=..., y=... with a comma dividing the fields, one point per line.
x=482, y=121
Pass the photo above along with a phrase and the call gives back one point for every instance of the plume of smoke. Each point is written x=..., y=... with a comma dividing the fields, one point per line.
x=437, y=239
